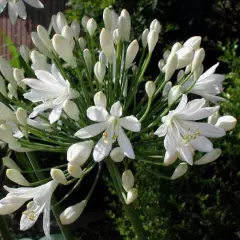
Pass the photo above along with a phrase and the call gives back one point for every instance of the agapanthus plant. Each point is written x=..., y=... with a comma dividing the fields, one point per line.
x=87, y=98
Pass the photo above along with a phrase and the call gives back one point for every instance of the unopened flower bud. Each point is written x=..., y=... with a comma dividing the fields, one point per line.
x=71, y=109
x=161, y=64
x=106, y=42
x=100, y=99
x=155, y=25
x=19, y=76
x=132, y=51
x=100, y=71
x=58, y=176
x=171, y=66
x=22, y=116
x=198, y=72
x=185, y=56
x=144, y=37
x=72, y=213
x=127, y=24
x=107, y=18
x=76, y=29
x=91, y=26
x=132, y=195
x=78, y=153
x=43, y=35
x=7, y=71
x=152, y=40
x=82, y=43
x=227, y=122
x=169, y=159
x=6, y=113
x=193, y=42
x=87, y=57
x=9, y=163
x=116, y=36
x=54, y=24
x=84, y=22
x=213, y=118
x=188, y=68
x=117, y=154
x=75, y=170
x=15, y=176
x=24, y=52
x=127, y=180
x=150, y=88
x=12, y=91
x=209, y=157
x=166, y=55
x=174, y=94
x=198, y=58
x=61, y=21
x=176, y=47
x=180, y=170
x=68, y=33
x=166, y=88
x=3, y=89
x=180, y=75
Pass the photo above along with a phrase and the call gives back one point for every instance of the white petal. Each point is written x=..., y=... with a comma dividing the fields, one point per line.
x=202, y=144
x=169, y=159
x=102, y=149
x=20, y=9
x=12, y=14
x=55, y=114
x=209, y=71
x=162, y=130
x=130, y=123
x=185, y=154
x=3, y=4
x=97, y=114
x=125, y=144
x=47, y=77
x=92, y=130
x=33, y=96
x=34, y=3
x=46, y=220
x=56, y=73
x=180, y=170
x=116, y=109
x=182, y=103
x=169, y=144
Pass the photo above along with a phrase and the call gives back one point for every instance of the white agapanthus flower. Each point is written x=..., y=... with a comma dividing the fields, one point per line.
x=183, y=135
x=208, y=85
x=112, y=125
x=52, y=90
x=41, y=203
x=17, y=8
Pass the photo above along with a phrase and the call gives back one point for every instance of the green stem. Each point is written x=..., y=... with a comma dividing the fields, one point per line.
x=5, y=234
x=130, y=211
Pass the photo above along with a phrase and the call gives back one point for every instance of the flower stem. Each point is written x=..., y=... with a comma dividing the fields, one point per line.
x=130, y=211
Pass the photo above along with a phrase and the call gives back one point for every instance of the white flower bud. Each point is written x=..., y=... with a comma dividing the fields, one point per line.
x=107, y=19
x=106, y=42
x=117, y=154
x=174, y=94
x=185, y=56
x=75, y=170
x=198, y=72
x=7, y=71
x=61, y=21
x=188, y=68
x=180, y=75
x=100, y=71
x=155, y=25
x=102, y=58
x=127, y=180
x=12, y=91
x=161, y=65
x=152, y=40
x=132, y=51
x=171, y=66
x=166, y=54
x=9, y=163
x=227, y=122
x=209, y=157
x=144, y=37
x=169, y=159
x=193, y=42
x=6, y=113
x=72, y=213
x=39, y=61
x=87, y=57
x=180, y=170
x=127, y=24
x=198, y=59
x=58, y=176
x=132, y=195
x=84, y=22
x=3, y=89
x=64, y=49
x=15, y=176
x=19, y=76
x=54, y=24
x=22, y=116
x=167, y=88
x=100, y=99
x=76, y=29
x=24, y=52
x=82, y=43
x=213, y=118
x=78, y=153
x=43, y=35
x=150, y=88
x=68, y=33
x=91, y=26
x=176, y=47
x=71, y=109
x=116, y=36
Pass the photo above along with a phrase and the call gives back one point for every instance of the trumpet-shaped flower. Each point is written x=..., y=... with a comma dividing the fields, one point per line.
x=112, y=125
x=41, y=203
x=52, y=90
x=183, y=135
x=17, y=8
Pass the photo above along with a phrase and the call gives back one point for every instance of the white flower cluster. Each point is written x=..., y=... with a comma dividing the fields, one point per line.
x=73, y=89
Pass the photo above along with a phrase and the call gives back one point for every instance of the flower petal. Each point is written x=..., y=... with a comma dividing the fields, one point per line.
x=102, y=149
x=116, y=109
x=162, y=130
x=46, y=220
x=55, y=114
x=185, y=154
x=209, y=72
x=97, y=114
x=130, y=123
x=92, y=130
x=202, y=144
x=34, y=3
x=182, y=103
x=12, y=13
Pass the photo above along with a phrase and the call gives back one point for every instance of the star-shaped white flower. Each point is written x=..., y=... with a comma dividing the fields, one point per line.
x=112, y=125
x=52, y=90
x=183, y=135
x=17, y=8
x=41, y=203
